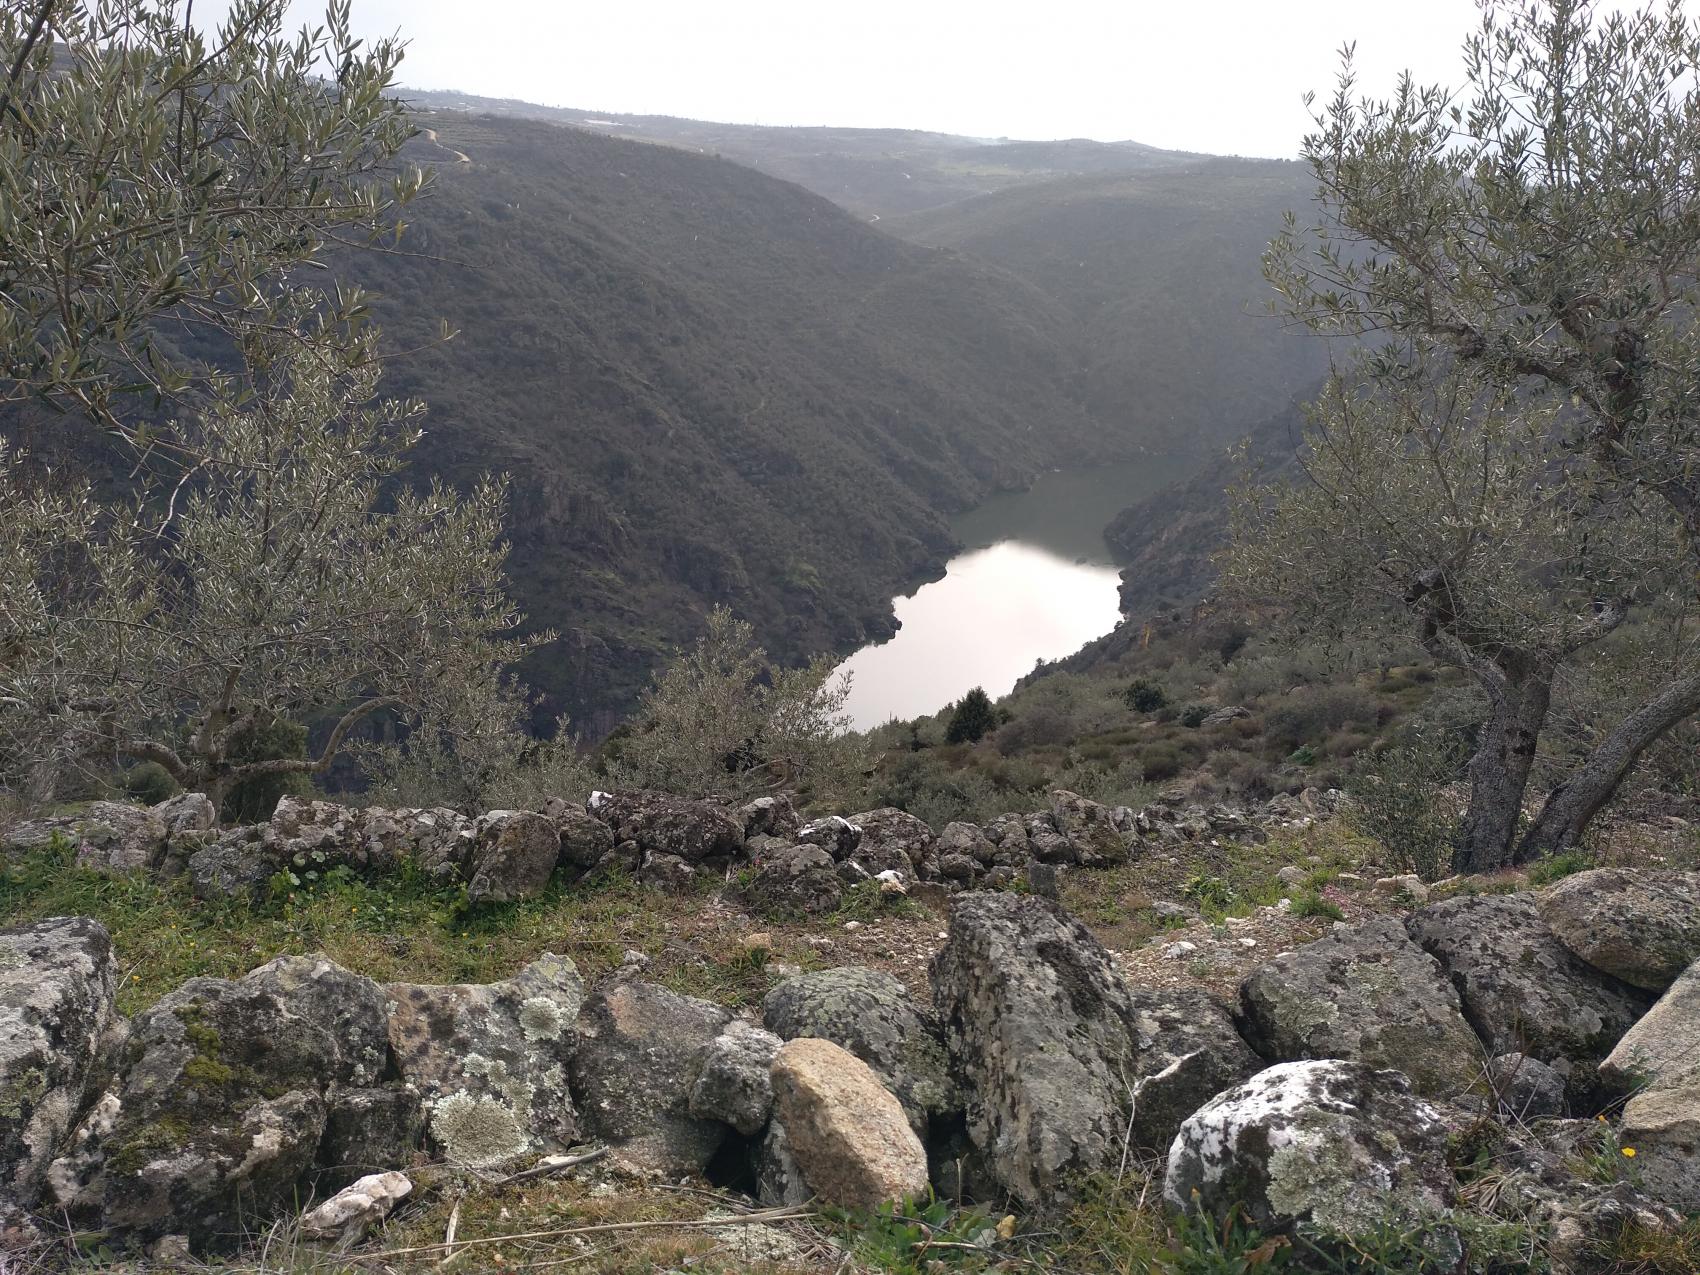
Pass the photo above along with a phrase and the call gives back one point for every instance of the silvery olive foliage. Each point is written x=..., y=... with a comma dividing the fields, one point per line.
x=720, y=720
x=1532, y=237
x=159, y=182
x=298, y=581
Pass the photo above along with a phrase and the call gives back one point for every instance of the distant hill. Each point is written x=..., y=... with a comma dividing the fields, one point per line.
x=874, y=172
x=709, y=386
x=1153, y=256
x=1161, y=274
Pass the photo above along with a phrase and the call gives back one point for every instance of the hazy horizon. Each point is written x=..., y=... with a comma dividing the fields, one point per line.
x=1225, y=77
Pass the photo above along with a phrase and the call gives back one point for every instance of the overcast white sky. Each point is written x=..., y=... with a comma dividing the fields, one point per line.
x=1212, y=75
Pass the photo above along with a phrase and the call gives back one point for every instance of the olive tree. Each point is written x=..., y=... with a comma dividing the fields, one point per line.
x=298, y=581
x=1539, y=226
x=157, y=183
x=1431, y=507
x=720, y=719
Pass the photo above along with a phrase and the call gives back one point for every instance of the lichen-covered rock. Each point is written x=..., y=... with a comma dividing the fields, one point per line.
x=108, y=836
x=773, y=816
x=1041, y=1033
x=1338, y=1145
x=1091, y=829
x=1187, y=1051
x=513, y=856
x=308, y=838
x=349, y=1007
x=57, y=979
x=1662, y=1127
x=233, y=867
x=1662, y=1050
x=967, y=841
x=1522, y=990
x=668, y=872
x=314, y=836
x=734, y=1085
x=490, y=1061
x=368, y=1130
x=870, y=1014
x=834, y=833
x=1525, y=1088
x=1368, y=993
x=799, y=880
x=1637, y=925
x=585, y=839
x=187, y=812
x=696, y=831
x=357, y=1208
x=893, y=839
x=215, y=1122
x=641, y=1048
x=1046, y=841
x=845, y=1130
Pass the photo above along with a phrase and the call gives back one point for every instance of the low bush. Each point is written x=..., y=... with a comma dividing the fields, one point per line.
x=150, y=783
x=1395, y=795
x=1311, y=713
x=1144, y=696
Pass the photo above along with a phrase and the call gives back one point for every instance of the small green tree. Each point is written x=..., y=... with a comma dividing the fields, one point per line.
x=297, y=580
x=1144, y=696
x=720, y=719
x=973, y=718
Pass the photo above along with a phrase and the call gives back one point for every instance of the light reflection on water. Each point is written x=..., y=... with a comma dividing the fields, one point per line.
x=996, y=611
x=1035, y=583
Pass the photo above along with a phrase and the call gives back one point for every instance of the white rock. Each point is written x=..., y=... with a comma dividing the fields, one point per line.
x=357, y=1208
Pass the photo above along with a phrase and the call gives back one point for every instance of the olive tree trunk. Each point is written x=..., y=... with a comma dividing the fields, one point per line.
x=1571, y=806
x=1499, y=771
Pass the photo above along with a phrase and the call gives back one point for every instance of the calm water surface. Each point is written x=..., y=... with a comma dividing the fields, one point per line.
x=1034, y=581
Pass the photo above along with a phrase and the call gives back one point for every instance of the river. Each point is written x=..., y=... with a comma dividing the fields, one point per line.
x=1035, y=581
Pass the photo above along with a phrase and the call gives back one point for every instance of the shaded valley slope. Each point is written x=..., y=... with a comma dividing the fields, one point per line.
x=709, y=386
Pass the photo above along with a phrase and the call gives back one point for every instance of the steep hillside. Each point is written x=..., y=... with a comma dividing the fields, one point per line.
x=875, y=172
x=1160, y=273
x=709, y=386
x=1166, y=541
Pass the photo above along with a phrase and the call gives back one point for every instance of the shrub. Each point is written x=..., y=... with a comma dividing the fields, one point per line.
x=1144, y=696
x=1160, y=761
x=1394, y=801
x=253, y=800
x=973, y=719
x=150, y=783
x=1036, y=727
x=1312, y=904
x=1210, y=893
x=721, y=718
x=1310, y=714
x=1193, y=715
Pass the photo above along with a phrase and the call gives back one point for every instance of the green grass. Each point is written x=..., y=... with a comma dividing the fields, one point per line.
x=1557, y=867
x=401, y=928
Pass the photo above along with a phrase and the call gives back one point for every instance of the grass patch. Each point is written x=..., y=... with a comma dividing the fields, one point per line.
x=1557, y=867
x=398, y=928
x=1312, y=904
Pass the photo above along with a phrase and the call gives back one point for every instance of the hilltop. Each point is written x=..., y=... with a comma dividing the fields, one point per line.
x=874, y=172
